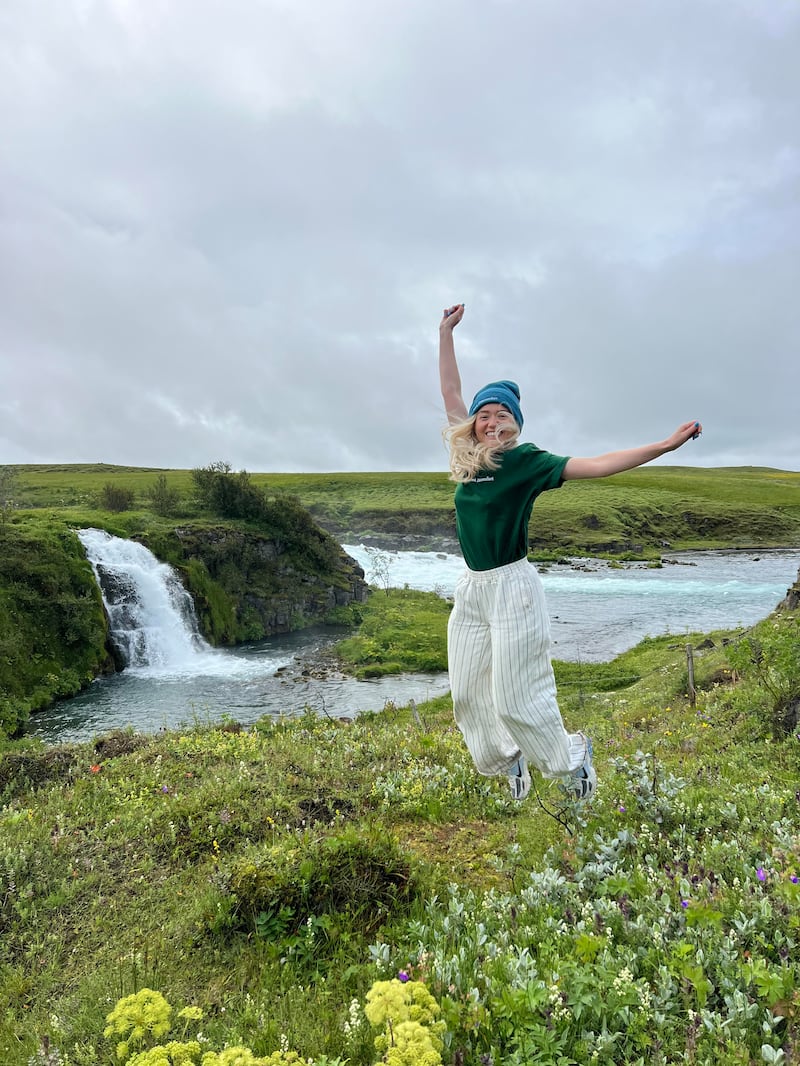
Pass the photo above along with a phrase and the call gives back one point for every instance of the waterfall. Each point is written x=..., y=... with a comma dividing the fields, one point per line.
x=152, y=621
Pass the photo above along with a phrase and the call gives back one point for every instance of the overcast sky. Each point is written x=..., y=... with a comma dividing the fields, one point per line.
x=228, y=229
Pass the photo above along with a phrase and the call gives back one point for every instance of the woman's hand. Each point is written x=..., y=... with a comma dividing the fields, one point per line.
x=689, y=430
x=451, y=317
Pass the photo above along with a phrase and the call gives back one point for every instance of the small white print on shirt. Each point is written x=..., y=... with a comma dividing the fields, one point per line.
x=475, y=480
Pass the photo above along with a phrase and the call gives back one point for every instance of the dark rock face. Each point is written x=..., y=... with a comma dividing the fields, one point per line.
x=792, y=600
x=265, y=584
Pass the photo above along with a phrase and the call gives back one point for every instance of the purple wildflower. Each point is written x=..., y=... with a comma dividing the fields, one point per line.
x=684, y=903
x=403, y=976
x=761, y=873
x=794, y=879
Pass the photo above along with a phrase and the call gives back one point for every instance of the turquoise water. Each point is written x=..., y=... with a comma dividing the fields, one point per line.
x=597, y=611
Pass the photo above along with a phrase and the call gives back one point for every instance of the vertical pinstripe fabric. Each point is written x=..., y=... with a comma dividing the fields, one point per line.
x=501, y=677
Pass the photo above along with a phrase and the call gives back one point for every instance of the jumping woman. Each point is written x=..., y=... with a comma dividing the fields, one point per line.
x=501, y=676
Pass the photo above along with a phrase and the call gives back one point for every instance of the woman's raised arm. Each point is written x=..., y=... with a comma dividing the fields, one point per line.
x=629, y=458
x=449, y=376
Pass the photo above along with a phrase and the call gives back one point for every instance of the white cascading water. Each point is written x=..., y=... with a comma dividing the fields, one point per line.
x=151, y=615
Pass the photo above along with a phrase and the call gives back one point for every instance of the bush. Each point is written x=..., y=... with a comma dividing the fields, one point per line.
x=163, y=499
x=116, y=498
x=290, y=526
x=227, y=494
x=361, y=876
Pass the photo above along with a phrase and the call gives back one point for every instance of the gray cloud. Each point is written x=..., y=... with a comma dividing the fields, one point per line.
x=228, y=233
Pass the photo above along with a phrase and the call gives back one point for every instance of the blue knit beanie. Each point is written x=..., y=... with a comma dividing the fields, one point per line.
x=502, y=392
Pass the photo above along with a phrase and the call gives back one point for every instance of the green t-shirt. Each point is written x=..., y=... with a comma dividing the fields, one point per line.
x=493, y=510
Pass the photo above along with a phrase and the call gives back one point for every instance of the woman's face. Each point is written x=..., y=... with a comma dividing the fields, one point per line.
x=493, y=423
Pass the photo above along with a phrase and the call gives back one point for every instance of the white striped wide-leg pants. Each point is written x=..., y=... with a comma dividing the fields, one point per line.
x=501, y=676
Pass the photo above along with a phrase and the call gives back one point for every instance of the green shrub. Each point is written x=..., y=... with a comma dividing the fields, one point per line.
x=116, y=498
x=290, y=526
x=361, y=876
x=227, y=494
x=163, y=499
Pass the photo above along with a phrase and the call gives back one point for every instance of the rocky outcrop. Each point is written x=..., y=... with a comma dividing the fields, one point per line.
x=792, y=599
x=52, y=628
x=248, y=584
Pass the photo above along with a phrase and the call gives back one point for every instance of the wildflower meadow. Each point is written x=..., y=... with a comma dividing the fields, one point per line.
x=345, y=893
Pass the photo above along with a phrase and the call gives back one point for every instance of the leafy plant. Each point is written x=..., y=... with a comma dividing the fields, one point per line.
x=769, y=655
x=380, y=569
x=407, y=1017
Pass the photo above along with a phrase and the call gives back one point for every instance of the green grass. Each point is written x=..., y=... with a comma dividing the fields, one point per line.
x=401, y=630
x=54, y=486
x=269, y=877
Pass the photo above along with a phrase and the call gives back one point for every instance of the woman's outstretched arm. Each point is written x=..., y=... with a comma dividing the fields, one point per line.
x=448, y=367
x=629, y=458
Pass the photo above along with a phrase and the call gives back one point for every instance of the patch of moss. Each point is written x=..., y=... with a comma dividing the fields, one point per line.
x=52, y=626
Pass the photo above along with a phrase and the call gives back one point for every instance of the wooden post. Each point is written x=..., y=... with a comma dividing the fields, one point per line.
x=690, y=671
x=413, y=705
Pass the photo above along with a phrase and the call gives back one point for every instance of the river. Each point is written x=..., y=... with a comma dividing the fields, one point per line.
x=597, y=612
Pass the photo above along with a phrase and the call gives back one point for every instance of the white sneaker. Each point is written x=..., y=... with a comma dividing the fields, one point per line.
x=581, y=783
x=519, y=778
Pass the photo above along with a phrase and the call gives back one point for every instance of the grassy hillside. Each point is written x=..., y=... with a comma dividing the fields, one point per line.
x=263, y=881
x=687, y=507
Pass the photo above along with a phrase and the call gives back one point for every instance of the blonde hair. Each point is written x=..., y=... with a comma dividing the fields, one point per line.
x=468, y=456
